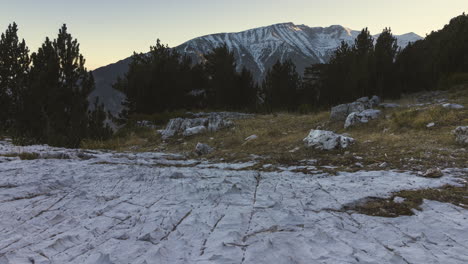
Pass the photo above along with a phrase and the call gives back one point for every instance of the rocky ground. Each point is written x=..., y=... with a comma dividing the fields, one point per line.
x=367, y=182
x=102, y=207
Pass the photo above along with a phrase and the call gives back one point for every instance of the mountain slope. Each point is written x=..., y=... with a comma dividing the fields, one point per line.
x=256, y=49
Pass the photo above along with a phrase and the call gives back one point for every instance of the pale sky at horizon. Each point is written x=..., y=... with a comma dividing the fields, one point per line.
x=111, y=30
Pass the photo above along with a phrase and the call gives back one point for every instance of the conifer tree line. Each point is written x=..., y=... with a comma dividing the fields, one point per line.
x=165, y=80
x=365, y=68
x=44, y=96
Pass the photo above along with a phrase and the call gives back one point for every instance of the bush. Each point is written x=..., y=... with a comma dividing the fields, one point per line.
x=454, y=79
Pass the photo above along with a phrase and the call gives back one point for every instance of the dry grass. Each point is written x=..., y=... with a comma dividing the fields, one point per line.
x=400, y=138
x=23, y=155
x=136, y=139
x=412, y=200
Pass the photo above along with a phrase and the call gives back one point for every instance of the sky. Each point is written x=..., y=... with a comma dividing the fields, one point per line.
x=111, y=30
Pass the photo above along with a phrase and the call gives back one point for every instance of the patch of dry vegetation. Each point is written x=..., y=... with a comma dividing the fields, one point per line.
x=23, y=155
x=412, y=200
x=135, y=139
x=400, y=138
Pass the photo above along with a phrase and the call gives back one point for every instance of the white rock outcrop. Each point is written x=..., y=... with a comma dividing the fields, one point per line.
x=327, y=140
x=192, y=126
x=342, y=111
x=461, y=135
x=362, y=117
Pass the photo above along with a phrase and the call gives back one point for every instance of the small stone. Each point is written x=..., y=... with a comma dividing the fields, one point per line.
x=250, y=138
x=359, y=165
x=203, y=149
x=453, y=106
x=383, y=165
x=430, y=125
x=433, y=173
x=398, y=200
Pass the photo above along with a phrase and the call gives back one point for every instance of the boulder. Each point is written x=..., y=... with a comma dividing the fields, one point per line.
x=374, y=101
x=461, y=135
x=341, y=112
x=362, y=117
x=203, y=149
x=327, y=140
x=194, y=131
x=453, y=106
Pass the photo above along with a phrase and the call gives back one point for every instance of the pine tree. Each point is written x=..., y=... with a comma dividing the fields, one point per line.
x=56, y=100
x=386, y=49
x=281, y=85
x=14, y=67
x=220, y=66
x=247, y=90
x=156, y=82
x=363, y=70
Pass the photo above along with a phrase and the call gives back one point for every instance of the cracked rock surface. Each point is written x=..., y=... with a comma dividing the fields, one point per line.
x=161, y=208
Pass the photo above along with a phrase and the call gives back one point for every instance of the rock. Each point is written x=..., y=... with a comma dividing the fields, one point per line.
x=327, y=140
x=461, y=135
x=389, y=105
x=365, y=101
x=250, y=138
x=358, y=165
x=399, y=200
x=433, y=173
x=191, y=126
x=453, y=106
x=194, y=131
x=362, y=117
x=430, y=125
x=383, y=165
x=374, y=101
x=341, y=112
x=203, y=149
x=145, y=123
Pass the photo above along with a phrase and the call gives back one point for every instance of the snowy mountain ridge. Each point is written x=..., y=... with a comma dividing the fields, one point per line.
x=256, y=49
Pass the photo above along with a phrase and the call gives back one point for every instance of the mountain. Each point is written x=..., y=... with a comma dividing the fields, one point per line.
x=257, y=49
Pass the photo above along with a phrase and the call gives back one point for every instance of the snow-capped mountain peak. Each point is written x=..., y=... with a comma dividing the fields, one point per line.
x=258, y=49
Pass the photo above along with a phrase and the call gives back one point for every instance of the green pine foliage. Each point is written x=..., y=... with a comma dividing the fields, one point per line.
x=48, y=99
x=158, y=81
x=281, y=86
x=14, y=68
x=164, y=80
